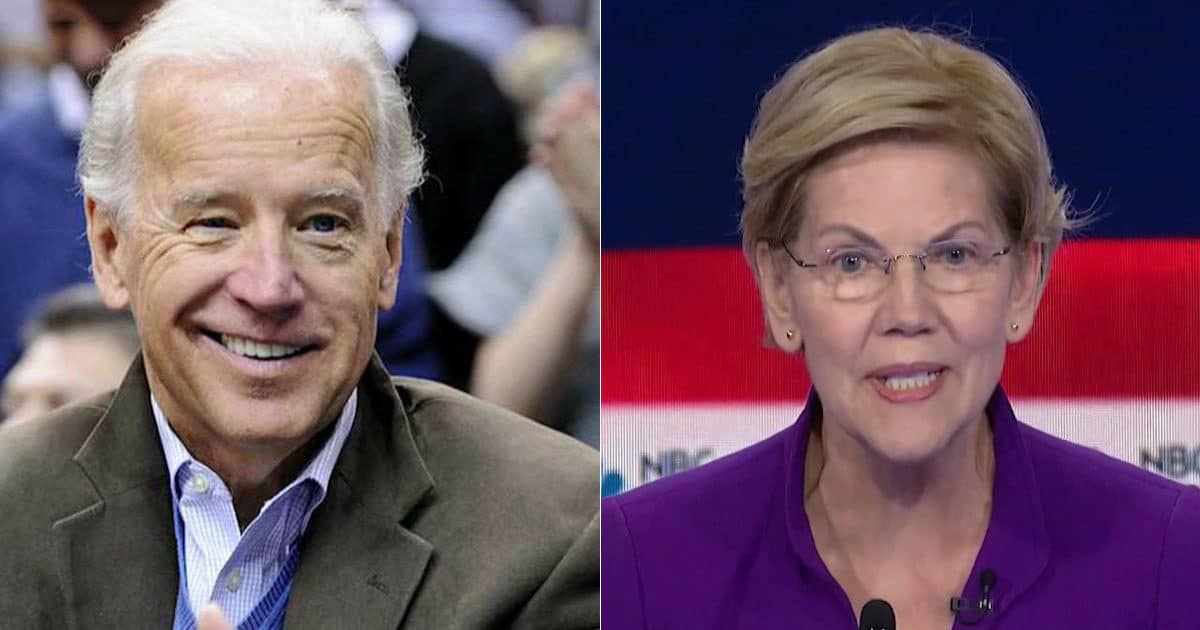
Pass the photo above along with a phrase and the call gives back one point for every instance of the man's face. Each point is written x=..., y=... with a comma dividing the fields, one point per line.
x=255, y=261
x=83, y=33
x=61, y=368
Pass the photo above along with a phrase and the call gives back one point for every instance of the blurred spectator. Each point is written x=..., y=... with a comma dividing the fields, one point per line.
x=468, y=128
x=43, y=211
x=541, y=62
x=75, y=348
x=529, y=280
x=38, y=142
x=472, y=144
x=21, y=23
x=405, y=339
x=487, y=28
x=575, y=13
x=490, y=29
x=23, y=55
x=23, y=70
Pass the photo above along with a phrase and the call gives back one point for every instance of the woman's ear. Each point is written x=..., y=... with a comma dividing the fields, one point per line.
x=776, y=298
x=1026, y=294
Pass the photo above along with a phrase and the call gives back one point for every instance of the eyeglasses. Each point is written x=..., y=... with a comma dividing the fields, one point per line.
x=859, y=273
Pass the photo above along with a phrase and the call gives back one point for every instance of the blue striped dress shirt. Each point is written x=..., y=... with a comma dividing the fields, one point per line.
x=224, y=564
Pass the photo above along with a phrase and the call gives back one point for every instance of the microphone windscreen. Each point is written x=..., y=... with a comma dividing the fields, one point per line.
x=877, y=615
x=987, y=580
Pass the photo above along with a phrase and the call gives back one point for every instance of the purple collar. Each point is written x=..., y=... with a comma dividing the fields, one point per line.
x=1016, y=545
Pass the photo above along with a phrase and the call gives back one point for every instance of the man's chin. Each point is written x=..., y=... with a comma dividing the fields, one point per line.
x=260, y=419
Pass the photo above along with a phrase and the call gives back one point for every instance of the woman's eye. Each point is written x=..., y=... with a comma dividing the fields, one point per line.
x=323, y=223
x=849, y=263
x=956, y=255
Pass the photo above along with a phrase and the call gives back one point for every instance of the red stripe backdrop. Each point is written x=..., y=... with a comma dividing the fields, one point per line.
x=1120, y=319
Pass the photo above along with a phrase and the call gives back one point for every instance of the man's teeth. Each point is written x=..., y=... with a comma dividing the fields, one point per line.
x=902, y=383
x=256, y=350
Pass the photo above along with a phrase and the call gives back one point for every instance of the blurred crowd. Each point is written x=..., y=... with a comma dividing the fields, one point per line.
x=499, y=288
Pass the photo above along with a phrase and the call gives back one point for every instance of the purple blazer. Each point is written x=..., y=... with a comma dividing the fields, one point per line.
x=1076, y=540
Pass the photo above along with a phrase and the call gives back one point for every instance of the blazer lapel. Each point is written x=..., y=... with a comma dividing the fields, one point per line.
x=360, y=567
x=117, y=553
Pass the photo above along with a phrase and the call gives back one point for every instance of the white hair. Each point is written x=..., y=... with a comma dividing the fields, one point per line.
x=303, y=33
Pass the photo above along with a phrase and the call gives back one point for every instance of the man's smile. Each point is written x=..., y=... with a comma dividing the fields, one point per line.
x=254, y=349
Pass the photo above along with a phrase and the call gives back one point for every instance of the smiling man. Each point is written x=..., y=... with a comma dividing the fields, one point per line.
x=245, y=172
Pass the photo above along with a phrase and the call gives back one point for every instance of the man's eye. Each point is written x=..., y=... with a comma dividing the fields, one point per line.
x=323, y=223
x=214, y=223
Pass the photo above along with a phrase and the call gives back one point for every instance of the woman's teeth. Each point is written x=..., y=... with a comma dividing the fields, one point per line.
x=917, y=381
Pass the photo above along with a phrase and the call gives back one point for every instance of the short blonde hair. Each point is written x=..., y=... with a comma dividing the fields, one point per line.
x=893, y=81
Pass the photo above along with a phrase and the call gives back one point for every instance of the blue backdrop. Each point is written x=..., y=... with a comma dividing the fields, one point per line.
x=1116, y=84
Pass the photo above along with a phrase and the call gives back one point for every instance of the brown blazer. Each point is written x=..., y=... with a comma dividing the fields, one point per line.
x=443, y=512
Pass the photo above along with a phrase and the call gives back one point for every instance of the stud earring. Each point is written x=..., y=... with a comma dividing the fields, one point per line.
x=790, y=334
x=1014, y=327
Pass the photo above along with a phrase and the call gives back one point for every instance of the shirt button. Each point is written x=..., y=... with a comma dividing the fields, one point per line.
x=198, y=484
x=234, y=581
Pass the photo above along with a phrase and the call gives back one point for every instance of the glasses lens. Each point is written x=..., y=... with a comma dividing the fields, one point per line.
x=958, y=266
x=866, y=280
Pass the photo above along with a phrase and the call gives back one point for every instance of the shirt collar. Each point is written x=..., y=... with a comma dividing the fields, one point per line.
x=319, y=469
x=69, y=99
x=1016, y=546
x=393, y=27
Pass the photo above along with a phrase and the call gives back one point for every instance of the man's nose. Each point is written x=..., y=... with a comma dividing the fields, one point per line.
x=265, y=279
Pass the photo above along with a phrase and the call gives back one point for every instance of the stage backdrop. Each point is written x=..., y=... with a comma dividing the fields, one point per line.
x=1113, y=361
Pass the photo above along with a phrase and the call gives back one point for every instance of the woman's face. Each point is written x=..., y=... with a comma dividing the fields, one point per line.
x=902, y=368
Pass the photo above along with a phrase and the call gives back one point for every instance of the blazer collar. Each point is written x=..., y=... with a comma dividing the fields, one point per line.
x=360, y=565
x=1016, y=545
x=117, y=552
x=359, y=562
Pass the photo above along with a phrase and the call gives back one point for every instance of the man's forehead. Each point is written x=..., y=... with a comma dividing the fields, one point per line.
x=181, y=81
x=202, y=119
x=181, y=98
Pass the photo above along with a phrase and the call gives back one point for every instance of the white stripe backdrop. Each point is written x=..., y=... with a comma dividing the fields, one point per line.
x=640, y=443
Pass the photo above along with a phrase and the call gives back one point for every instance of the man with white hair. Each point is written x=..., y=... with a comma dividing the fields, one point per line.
x=41, y=209
x=245, y=170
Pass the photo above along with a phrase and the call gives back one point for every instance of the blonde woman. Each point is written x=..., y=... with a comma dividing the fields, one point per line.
x=900, y=214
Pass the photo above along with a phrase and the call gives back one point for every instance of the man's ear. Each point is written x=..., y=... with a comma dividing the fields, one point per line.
x=1026, y=292
x=390, y=275
x=777, y=304
x=105, y=240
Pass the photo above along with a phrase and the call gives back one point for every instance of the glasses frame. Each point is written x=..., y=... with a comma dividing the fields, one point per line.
x=887, y=261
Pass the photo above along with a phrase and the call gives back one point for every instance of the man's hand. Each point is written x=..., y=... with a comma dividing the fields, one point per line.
x=211, y=618
x=568, y=146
